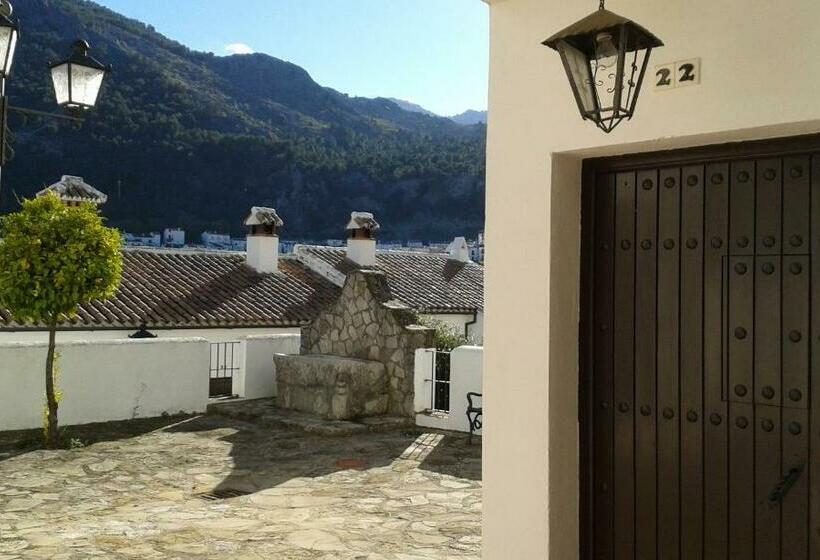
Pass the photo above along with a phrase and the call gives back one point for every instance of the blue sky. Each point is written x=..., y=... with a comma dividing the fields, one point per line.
x=430, y=52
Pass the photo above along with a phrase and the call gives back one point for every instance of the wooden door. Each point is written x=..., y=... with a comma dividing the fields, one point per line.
x=703, y=283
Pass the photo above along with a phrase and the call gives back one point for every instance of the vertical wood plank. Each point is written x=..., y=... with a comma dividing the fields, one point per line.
x=814, y=441
x=668, y=429
x=740, y=336
x=741, y=305
x=767, y=372
x=691, y=363
x=586, y=395
x=767, y=396
x=768, y=229
x=795, y=354
x=646, y=511
x=715, y=462
x=603, y=423
x=795, y=420
x=624, y=370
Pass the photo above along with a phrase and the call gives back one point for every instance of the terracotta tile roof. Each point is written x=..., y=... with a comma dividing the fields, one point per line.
x=428, y=282
x=182, y=289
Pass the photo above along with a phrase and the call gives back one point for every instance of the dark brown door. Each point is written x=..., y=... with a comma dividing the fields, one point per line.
x=701, y=435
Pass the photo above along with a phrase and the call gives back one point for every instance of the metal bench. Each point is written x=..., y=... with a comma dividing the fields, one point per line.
x=474, y=414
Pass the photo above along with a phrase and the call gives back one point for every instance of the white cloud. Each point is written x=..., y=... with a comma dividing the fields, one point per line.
x=238, y=48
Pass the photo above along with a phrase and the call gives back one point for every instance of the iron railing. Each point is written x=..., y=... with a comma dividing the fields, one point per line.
x=440, y=390
x=223, y=366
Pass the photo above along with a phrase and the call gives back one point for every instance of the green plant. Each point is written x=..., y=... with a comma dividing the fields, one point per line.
x=447, y=336
x=53, y=258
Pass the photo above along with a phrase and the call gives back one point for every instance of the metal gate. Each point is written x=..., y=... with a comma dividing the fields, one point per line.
x=441, y=381
x=224, y=364
x=698, y=406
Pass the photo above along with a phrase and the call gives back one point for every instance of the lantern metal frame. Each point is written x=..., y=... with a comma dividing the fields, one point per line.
x=580, y=50
x=79, y=57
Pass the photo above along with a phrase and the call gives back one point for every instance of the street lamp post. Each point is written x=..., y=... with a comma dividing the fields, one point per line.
x=77, y=79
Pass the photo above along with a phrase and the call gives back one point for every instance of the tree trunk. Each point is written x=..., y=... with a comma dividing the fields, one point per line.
x=52, y=439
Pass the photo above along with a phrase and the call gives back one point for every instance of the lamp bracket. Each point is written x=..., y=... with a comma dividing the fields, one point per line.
x=33, y=112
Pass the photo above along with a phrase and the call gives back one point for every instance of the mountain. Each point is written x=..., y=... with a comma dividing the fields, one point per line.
x=412, y=107
x=190, y=139
x=467, y=118
x=470, y=118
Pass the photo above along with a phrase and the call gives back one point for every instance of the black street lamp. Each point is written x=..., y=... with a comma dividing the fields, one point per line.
x=77, y=80
x=605, y=57
x=9, y=33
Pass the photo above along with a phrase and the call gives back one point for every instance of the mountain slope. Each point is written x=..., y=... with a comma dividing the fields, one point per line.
x=470, y=117
x=191, y=139
x=412, y=107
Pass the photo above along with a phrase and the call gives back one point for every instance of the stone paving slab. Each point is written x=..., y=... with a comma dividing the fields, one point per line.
x=411, y=495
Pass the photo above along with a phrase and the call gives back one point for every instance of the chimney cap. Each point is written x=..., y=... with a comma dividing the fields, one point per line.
x=74, y=189
x=262, y=216
x=363, y=220
x=459, y=250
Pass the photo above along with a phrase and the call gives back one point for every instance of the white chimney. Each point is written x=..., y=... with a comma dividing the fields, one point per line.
x=263, y=239
x=361, y=240
x=459, y=250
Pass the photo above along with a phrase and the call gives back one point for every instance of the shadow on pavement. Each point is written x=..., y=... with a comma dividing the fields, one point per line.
x=267, y=457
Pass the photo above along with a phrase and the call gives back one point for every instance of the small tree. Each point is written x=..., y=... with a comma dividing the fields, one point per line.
x=53, y=258
x=447, y=336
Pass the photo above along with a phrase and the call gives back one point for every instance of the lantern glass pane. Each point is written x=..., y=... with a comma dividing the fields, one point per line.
x=578, y=69
x=8, y=42
x=605, y=77
x=85, y=85
x=59, y=76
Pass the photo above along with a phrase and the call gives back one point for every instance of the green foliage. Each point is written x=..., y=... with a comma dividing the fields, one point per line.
x=54, y=258
x=447, y=336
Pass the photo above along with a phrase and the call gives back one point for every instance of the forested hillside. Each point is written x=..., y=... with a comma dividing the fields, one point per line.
x=184, y=138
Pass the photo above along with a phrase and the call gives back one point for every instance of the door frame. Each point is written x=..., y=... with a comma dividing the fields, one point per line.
x=794, y=145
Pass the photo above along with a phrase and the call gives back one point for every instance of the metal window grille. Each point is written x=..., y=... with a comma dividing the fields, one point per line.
x=440, y=398
x=223, y=367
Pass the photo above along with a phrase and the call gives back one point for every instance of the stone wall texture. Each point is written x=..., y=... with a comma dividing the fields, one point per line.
x=368, y=324
x=332, y=387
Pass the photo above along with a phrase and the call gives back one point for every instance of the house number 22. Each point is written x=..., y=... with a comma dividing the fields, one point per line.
x=677, y=74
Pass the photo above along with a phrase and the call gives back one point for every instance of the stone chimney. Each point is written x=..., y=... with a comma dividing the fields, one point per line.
x=459, y=250
x=361, y=240
x=73, y=191
x=263, y=239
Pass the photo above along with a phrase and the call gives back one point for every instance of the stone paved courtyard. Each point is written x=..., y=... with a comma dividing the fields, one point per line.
x=399, y=495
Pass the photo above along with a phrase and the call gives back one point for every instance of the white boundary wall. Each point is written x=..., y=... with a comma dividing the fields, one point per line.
x=466, y=373
x=104, y=380
x=258, y=380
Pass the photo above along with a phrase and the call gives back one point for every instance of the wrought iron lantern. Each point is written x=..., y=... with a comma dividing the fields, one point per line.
x=78, y=79
x=605, y=56
x=9, y=32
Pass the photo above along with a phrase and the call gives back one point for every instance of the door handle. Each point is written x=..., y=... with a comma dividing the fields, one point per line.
x=782, y=488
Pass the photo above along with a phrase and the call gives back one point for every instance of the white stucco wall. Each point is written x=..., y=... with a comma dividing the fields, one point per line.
x=259, y=379
x=211, y=335
x=104, y=380
x=466, y=368
x=760, y=79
